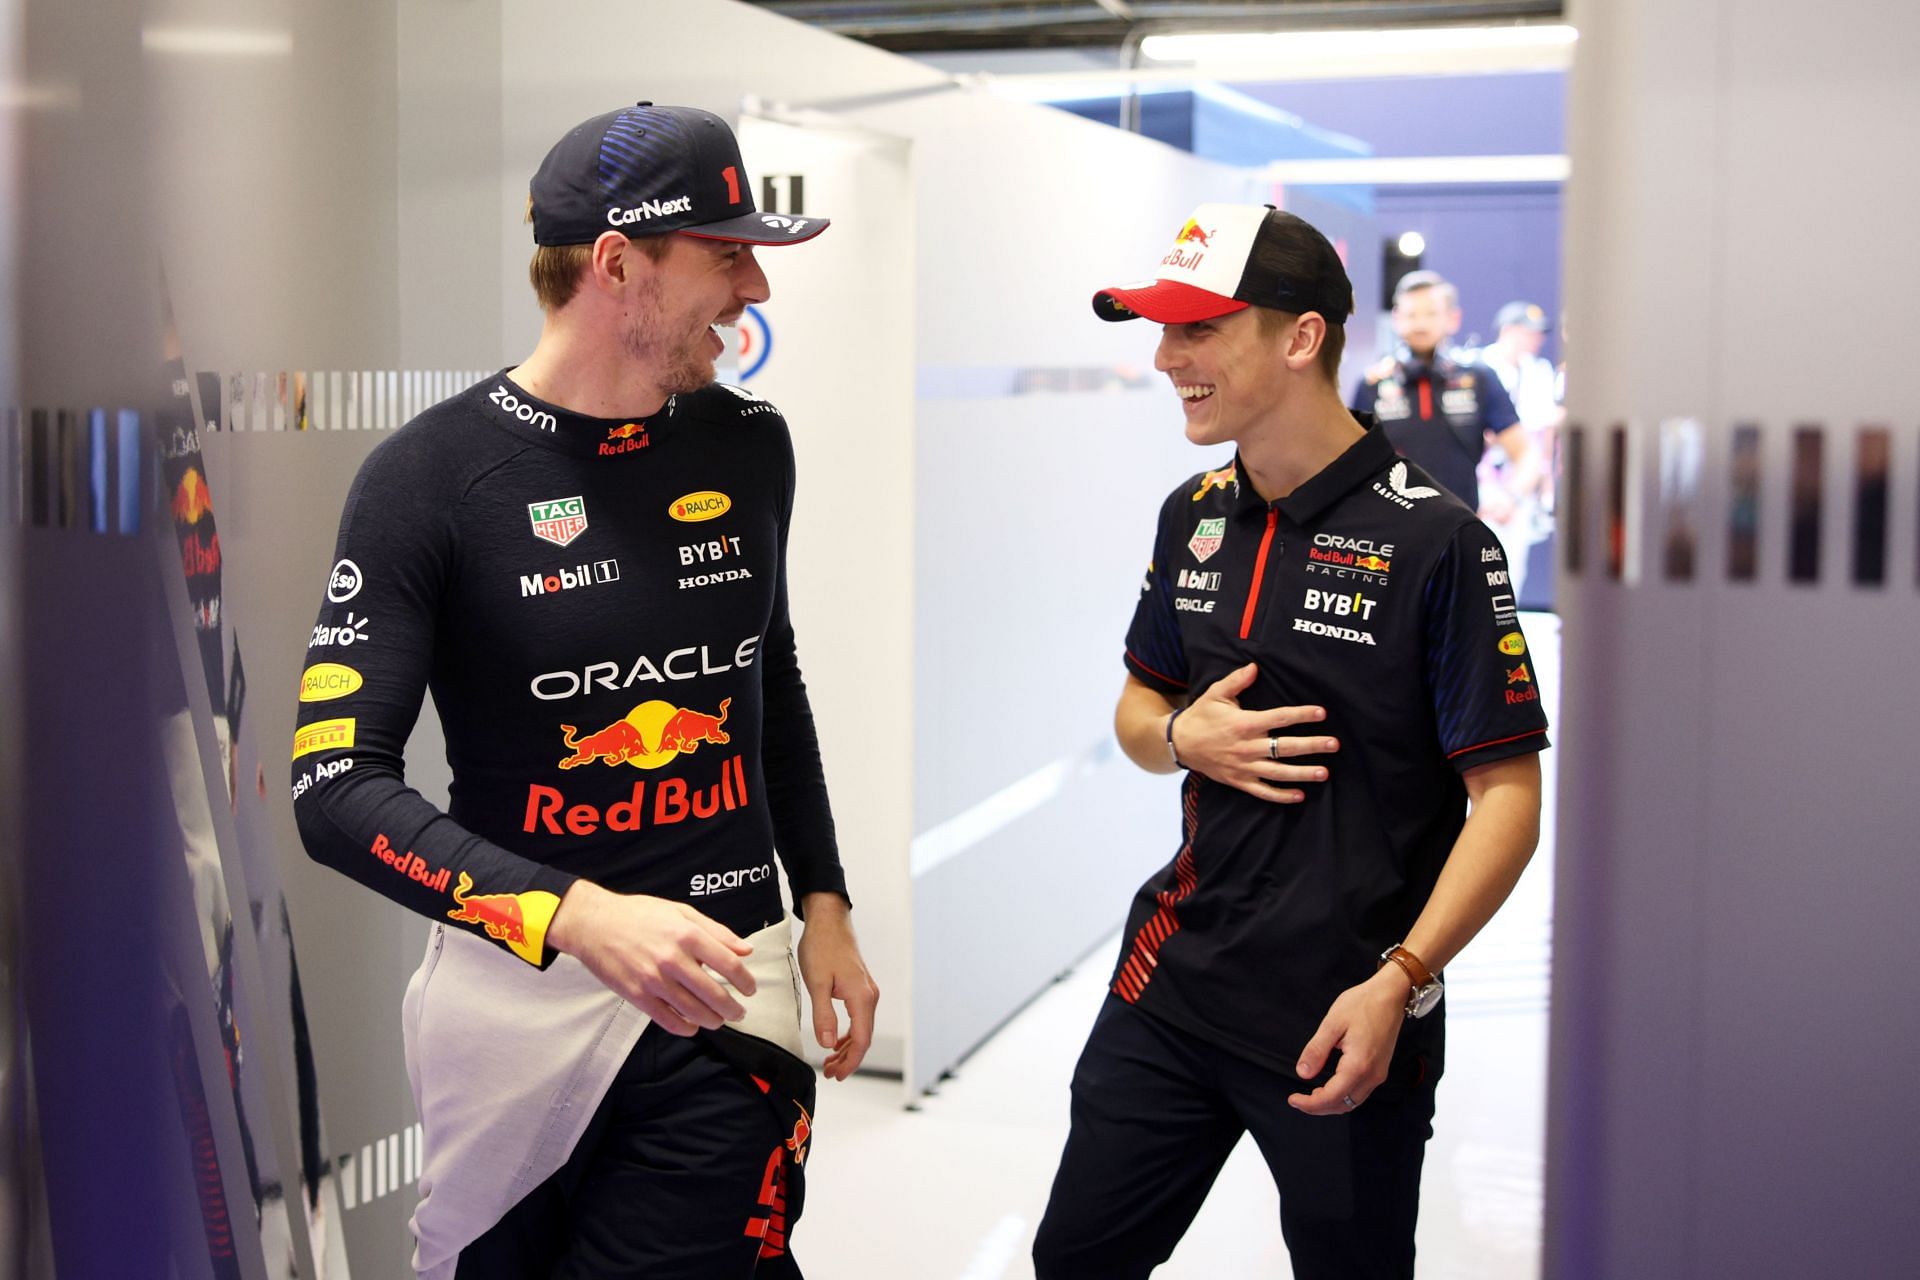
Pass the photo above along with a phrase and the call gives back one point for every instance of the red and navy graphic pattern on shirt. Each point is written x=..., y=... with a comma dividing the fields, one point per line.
x=1369, y=592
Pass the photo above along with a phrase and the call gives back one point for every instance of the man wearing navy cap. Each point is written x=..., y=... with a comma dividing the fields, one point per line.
x=584, y=558
x=1321, y=646
x=1519, y=504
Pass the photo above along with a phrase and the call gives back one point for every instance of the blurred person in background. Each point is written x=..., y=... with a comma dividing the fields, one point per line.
x=1441, y=412
x=1516, y=493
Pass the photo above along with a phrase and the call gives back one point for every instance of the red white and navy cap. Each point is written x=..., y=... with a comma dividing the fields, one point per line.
x=647, y=170
x=1228, y=257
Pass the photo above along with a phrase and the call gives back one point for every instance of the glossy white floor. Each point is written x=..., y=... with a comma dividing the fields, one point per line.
x=954, y=1190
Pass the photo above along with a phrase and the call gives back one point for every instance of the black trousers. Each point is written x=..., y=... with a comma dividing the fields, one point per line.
x=684, y=1173
x=1155, y=1114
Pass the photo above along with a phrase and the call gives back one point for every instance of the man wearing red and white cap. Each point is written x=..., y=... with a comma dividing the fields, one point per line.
x=1321, y=644
x=584, y=557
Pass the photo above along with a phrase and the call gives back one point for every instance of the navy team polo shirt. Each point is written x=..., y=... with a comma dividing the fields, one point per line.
x=1374, y=594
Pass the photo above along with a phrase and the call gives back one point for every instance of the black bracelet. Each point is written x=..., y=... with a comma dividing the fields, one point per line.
x=1170, y=751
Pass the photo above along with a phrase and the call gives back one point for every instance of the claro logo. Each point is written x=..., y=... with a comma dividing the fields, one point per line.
x=704, y=505
x=514, y=407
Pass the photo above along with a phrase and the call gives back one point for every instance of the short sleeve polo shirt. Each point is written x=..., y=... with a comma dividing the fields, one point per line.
x=1438, y=414
x=1373, y=593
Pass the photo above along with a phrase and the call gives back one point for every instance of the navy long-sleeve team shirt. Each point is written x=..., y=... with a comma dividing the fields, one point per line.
x=600, y=609
x=1374, y=594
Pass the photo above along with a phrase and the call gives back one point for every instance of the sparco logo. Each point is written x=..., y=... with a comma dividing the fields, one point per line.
x=514, y=407
x=646, y=209
x=722, y=881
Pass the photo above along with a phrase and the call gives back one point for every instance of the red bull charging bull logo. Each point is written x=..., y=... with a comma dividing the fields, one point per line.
x=802, y=1134
x=649, y=736
x=625, y=438
x=190, y=498
x=519, y=920
x=1189, y=247
x=1221, y=479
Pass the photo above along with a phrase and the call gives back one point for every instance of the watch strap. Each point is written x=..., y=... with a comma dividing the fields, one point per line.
x=1411, y=965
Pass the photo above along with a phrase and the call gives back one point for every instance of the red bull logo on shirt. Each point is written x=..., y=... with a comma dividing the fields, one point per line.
x=412, y=865
x=1221, y=479
x=519, y=920
x=649, y=736
x=673, y=800
x=625, y=438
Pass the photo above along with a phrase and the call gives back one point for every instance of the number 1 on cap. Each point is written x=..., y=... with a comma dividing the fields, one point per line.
x=732, y=175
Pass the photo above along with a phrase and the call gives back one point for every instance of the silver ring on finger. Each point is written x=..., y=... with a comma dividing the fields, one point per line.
x=1273, y=746
x=1351, y=1104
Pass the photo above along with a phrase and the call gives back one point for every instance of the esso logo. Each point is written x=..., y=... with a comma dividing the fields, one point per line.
x=345, y=582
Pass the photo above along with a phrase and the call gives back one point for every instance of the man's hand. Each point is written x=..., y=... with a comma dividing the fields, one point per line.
x=831, y=966
x=651, y=951
x=1235, y=747
x=1380, y=369
x=1364, y=1024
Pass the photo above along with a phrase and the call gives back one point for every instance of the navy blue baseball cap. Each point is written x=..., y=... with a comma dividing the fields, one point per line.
x=648, y=170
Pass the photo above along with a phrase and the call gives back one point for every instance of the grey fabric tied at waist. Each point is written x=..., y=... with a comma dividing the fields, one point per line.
x=508, y=1064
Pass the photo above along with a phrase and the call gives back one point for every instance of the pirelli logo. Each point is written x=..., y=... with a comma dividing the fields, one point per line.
x=322, y=735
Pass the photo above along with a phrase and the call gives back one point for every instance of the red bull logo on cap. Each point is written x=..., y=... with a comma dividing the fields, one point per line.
x=649, y=736
x=1193, y=234
x=519, y=920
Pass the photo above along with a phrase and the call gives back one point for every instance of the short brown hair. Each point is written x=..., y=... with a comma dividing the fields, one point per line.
x=556, y=269
x=1331, y=347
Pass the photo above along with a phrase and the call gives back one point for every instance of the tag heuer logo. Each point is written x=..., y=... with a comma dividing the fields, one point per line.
x=559, y=521
x=1207, y=537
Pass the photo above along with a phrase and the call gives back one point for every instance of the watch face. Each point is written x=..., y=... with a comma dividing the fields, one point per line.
x=1424, y=1000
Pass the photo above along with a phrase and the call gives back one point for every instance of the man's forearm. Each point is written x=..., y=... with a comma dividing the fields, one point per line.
x=1140, y=723
x=1493, y=849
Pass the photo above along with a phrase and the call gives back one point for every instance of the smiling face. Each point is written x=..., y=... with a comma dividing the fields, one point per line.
x=696, y=285
x=1230, y=373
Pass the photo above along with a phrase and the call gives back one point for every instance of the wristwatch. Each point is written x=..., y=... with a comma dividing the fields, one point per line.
x=1426, y=991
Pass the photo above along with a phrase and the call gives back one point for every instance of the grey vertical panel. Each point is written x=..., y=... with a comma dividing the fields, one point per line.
x=1737, y=865
x=356, y=950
